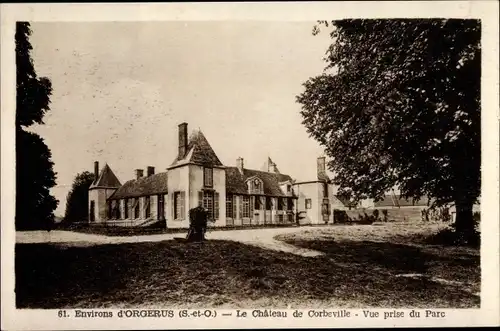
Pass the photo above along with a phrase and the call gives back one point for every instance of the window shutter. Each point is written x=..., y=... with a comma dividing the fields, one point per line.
x=252, y=205
x=216, y=205
x=240, y=203
x=183, y=205
x=234, y=206
x=172, y=205
x=200, y=198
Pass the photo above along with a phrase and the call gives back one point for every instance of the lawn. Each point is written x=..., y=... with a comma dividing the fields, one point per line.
x=363, y=266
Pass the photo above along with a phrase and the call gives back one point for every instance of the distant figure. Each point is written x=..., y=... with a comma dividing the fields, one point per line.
x=198, y=218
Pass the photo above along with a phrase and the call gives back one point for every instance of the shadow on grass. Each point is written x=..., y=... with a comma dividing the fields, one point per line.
x=222, y=272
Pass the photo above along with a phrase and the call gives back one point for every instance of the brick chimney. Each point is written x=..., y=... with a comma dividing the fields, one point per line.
x=139, y=173
x=239, y=164
x=96, y=171
x=183, y=140
x=150, y=171
x=321, y=165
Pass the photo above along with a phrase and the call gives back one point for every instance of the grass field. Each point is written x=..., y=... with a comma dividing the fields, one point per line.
x=363, y=266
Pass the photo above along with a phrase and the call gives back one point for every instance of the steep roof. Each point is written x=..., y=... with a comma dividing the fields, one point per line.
x=267, y=165
x=235, y=181
x=154, y=184
x=106, y=178
x=199, y=152
x=396, y=200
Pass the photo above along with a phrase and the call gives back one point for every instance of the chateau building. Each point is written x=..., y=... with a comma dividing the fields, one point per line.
x=233, y=195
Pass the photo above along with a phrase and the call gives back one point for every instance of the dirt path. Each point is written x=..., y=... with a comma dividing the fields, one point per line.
x=258, y=237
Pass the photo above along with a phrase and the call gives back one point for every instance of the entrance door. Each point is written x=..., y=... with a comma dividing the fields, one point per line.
x=92, y=211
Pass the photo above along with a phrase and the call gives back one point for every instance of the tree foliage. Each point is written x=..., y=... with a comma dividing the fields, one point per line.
x=34, y=169
x=398, y=105
x=77, y=200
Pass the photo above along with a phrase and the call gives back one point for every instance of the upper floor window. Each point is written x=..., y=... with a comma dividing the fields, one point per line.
x=289, y=188
x=308, y=204
x=208, y=177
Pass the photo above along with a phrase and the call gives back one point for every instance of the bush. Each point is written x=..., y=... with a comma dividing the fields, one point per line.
x=340, y=216
x=385, y=213
x=449, y=237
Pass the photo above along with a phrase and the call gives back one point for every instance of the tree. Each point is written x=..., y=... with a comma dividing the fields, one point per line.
x=34, y=169
x=398, y=105
x=77, y=200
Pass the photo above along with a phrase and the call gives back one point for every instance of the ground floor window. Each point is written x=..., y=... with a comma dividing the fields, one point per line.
x=210, y=201
x=269, y=203
x=92, y=211
x=246, y=206
x=125, y=209
x=147, y=207
x=161, y=207
x=257, y=203
x=229, y=206
x=136, y=208
x=281, y=205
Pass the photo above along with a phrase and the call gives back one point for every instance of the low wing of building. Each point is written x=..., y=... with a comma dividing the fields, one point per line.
x=232, y=195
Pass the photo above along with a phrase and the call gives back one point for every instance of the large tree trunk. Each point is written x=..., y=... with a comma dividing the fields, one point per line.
x=464, y=221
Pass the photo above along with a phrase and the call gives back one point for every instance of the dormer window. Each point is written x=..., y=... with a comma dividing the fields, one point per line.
x=289, y=188
x=208, y=177
x=256, y=185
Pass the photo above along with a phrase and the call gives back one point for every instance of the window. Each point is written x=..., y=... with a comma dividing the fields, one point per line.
x=125, y=209
x=269, y=203
x=246, y=206
x=308, y=203
x=280, y=204
x=234, y=206
x=118, y=211
x=257, y=203
x=178, y=205
x=325, y=190
x=136, y=208
x=216, y=205
x=208, y=203
x=290, y=204
x=92, y=211
x=229, y=206
x=289, y=188
x=109, y=210
x=161, y=207
x=147, y=207
x=208, y=177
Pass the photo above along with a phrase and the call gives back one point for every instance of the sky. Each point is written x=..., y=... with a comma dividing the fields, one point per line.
x=120, y=89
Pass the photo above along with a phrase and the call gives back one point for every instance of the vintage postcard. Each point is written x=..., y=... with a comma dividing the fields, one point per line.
x=250, y=165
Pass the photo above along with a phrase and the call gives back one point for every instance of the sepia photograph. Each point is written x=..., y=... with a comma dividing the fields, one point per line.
x=260, y=165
